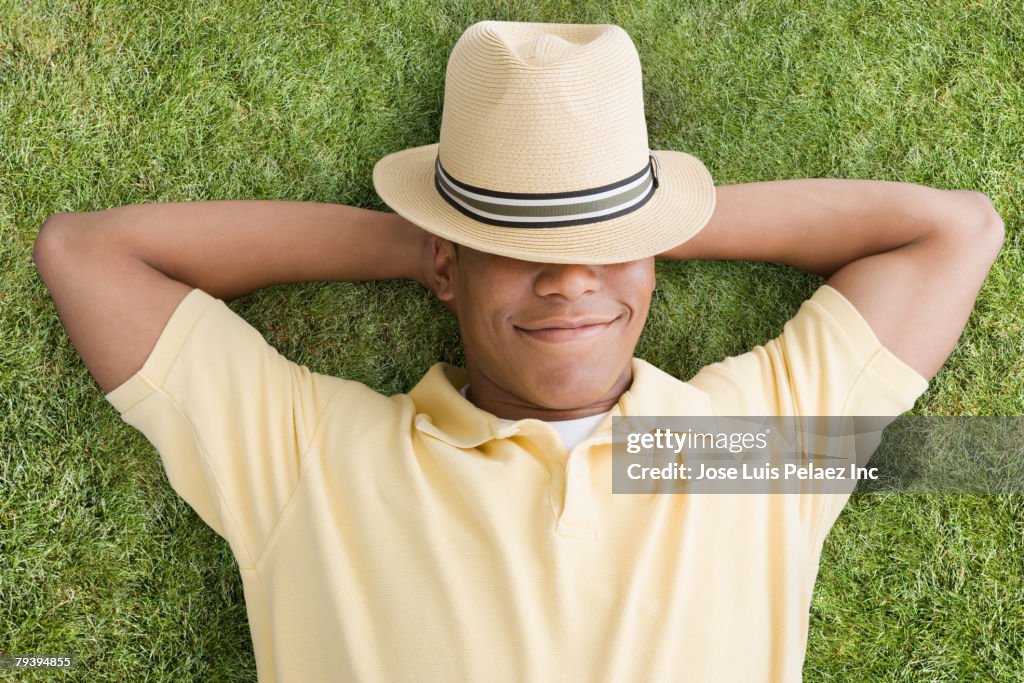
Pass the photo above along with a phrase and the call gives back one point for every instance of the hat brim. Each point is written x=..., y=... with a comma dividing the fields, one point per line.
x=680, y=207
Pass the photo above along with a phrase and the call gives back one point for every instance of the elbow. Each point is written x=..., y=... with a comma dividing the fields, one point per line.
x=992, y=229
x=979, y=225
x=50, y=236
x=56, y=238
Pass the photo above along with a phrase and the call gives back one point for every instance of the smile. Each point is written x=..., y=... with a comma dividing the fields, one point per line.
x=567, y=330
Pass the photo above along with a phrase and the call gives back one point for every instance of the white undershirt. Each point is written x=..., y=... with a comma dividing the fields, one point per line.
x=571, y=431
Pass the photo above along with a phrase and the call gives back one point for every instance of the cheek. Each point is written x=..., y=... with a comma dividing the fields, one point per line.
x=637, y=288
x=483, y=319
x=645, y=281
x=637, y=276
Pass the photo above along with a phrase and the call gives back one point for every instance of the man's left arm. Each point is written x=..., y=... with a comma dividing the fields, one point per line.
x=910, y=258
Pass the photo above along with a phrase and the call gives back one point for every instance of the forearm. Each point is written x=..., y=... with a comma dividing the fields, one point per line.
x=231, y=248
x=818, y=225
x=911, y=259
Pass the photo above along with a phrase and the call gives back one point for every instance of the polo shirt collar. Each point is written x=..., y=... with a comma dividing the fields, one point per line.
x=446, y=414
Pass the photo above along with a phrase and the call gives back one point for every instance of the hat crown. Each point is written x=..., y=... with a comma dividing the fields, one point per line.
x=543, y=108
x=546, y=48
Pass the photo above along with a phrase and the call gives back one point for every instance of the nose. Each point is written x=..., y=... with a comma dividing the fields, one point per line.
x=570, y=281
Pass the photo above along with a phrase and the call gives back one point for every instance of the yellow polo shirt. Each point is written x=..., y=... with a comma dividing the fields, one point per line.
x=418, y=538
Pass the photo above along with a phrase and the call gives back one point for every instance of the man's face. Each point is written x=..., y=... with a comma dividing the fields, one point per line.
x=546, y=340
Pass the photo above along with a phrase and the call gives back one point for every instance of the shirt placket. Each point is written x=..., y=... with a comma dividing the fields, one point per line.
x=577, y=517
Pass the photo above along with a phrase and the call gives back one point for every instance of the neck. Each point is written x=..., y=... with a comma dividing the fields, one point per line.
x=495, y=399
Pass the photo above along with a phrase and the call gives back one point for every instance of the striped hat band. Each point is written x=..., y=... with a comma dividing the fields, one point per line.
x=551, y=210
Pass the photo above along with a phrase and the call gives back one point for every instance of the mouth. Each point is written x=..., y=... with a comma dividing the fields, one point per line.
x=561, y=331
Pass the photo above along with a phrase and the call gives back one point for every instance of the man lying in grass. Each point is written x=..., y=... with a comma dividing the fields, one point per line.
x=466, y=530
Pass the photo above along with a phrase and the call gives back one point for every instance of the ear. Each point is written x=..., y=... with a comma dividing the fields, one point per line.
x=441, y=270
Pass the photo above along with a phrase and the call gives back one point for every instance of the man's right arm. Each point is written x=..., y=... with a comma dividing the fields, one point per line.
x=116, y=276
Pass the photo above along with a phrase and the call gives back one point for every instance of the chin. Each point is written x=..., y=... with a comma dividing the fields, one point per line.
x=566, y=389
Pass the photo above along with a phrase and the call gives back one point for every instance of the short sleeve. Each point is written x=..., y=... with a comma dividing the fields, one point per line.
x=230, y=416
x=827, y=362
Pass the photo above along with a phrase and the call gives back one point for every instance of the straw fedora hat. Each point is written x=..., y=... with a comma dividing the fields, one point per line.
x=543, y=152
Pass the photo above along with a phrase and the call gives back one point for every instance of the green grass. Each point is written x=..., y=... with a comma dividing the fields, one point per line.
x=105, y=104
